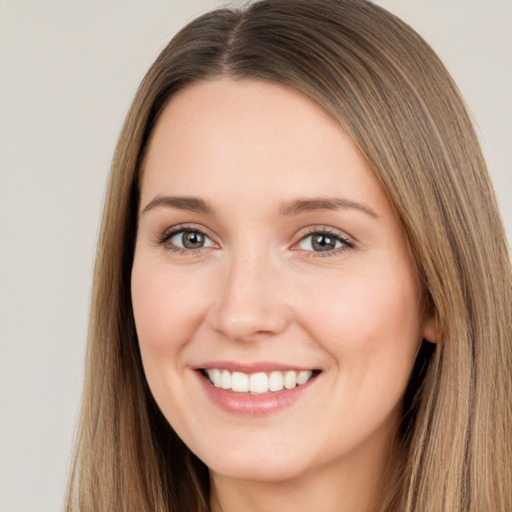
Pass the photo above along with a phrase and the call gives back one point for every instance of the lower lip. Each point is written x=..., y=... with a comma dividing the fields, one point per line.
x=253, y=405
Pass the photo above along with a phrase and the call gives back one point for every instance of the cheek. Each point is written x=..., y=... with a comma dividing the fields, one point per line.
x=370, y=324
x=167, y=307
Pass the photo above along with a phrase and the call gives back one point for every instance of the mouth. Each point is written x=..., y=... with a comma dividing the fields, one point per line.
x=258, y=383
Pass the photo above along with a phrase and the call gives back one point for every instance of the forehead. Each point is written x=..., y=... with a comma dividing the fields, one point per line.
x=229, y=138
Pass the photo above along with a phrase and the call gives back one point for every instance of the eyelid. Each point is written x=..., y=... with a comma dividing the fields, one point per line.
x=165, y=237
x=347, y=241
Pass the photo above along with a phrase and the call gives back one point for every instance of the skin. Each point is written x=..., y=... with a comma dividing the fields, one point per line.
x=258, y=291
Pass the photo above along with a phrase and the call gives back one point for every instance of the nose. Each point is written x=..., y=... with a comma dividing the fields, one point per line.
x=252, y=302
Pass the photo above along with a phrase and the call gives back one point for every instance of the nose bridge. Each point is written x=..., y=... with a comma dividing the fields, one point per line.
x=250, y=303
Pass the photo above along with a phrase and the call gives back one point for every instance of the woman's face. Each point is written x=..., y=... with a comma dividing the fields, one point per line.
x=269, y=261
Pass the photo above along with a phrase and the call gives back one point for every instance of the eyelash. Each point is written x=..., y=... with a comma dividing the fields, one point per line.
x=328, y=232
x=165, y=238
x=347, y=244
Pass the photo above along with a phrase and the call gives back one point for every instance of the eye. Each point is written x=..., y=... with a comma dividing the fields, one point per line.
x=187, y=239
x=323, y=242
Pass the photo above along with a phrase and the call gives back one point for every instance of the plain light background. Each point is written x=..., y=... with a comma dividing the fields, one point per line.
x=68, y=72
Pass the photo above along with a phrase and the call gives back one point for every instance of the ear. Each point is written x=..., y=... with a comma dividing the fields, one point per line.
x=430, y=329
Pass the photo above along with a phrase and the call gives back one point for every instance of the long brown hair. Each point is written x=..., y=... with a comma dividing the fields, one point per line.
x=390, y=92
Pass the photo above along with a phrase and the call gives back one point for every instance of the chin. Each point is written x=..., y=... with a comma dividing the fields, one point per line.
x=261, y=469
x=256, y=461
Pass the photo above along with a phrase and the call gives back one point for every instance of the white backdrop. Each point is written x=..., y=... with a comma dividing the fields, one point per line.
x=69, y=70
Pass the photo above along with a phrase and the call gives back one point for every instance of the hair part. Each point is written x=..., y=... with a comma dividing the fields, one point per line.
x=385, y=86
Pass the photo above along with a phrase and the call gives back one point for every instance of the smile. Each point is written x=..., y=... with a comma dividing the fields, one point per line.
x=257, y=383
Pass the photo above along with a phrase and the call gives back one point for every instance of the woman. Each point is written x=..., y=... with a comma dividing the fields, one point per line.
x=302, y=292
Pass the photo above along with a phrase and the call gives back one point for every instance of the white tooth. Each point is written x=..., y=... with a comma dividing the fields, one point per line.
x=258, y=383
x=240, y=382
x=275, y=381
x=215, y=377
x=304, y=376
x=290, y=379
x=225, y=379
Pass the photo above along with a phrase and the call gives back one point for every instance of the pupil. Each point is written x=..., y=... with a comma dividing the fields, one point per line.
x=193, y=240
x=323, y=243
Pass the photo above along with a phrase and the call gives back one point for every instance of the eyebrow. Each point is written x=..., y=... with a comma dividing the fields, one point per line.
x=191, y=204
x=310, y=205
x=297, y=207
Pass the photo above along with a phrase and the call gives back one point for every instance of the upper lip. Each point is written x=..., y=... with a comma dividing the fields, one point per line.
x=249, y=368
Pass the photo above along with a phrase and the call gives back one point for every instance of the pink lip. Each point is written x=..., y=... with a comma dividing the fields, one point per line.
x=245, y=404
x=249, y=368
